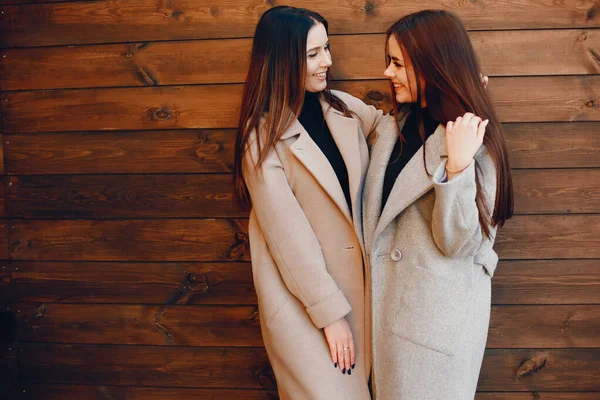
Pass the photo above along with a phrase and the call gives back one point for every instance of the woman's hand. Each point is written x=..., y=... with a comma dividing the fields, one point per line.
x=341, y=345
x=463, y=138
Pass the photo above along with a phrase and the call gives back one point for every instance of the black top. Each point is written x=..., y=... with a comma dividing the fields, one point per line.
x=404, y=151
x=312, y=119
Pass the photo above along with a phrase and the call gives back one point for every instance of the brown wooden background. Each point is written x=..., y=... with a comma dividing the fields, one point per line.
x=125, y=272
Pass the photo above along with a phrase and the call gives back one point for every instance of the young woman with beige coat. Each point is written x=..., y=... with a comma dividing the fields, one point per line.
x=300, y=160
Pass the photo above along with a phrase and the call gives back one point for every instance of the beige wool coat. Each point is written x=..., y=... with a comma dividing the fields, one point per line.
x=306, y=254
x=430, y=268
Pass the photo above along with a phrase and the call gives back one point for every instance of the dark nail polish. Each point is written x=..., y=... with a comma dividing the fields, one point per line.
x=335, y=365
x=353, y=365
x=349, y=372
x=344, y=371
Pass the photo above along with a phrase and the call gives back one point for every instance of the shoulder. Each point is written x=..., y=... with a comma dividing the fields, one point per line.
x=354, y=103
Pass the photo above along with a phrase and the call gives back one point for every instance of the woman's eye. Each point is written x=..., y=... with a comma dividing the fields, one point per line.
x=313, y=55
x=328, y=47
x=398, y=65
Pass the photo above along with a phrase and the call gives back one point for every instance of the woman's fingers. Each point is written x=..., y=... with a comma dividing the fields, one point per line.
x=332, y=352
x=481, y=130
x=352, y=354
x=347, y=362
x=449, y=127
x=340, y=354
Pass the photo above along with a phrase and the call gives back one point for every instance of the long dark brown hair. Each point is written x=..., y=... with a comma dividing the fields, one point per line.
x=274, y=86
x=436, y=47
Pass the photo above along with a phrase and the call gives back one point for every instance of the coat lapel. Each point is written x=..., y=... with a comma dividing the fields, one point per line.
x=413, y=182
x=346, y=134
x=311, y=156
x=380, y=154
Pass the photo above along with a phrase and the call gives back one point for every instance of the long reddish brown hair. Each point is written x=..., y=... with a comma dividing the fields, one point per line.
x=436, y=47
x=274, y=91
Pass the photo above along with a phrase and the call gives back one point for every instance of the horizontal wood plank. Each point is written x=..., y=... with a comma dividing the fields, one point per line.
x=523, y=99
x=122, y=196
x=515, y=282
x=546, y=282
x=524, y=237
x=548, y=145
x=552, y=236
x=502, y=53
x=78, y=392
x=531, y=145
x=535, y=395
x=193, y=196
x=576, y=326
x=133, y=240
x=6, y=286
x=74, y=392
x=540, y=370
x=125, y=152
x=145, y=283
x=209, y=367
x=145, y=325
x=568, y=326
x=556, y=191
x=575, y=369
x=102, y=22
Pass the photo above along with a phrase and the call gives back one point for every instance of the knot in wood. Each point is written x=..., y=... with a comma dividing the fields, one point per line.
x=157, y=114
x=530, y=366
x=592, y=104
x=374, y=95
x=582, y=38
x=204, y=287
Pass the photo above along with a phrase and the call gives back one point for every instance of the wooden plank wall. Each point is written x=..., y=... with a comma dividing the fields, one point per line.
x=125, y=268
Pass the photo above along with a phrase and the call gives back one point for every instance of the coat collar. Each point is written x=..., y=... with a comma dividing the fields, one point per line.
x=412, y=183
x=345, y=132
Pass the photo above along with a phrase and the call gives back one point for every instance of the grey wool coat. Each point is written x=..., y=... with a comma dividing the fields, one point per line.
x=307, y=258
x=429, y=267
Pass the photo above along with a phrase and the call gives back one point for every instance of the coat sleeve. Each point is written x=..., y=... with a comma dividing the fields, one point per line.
x=292, y=241
x=455, y=222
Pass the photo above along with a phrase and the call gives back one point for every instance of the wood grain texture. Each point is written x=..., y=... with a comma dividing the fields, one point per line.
x=122, y=196
x=568, y=326
x=74, y=392
x=6, y=287
x=206, y=326
x=248, y=367
x=515, y=282
x=531, y=145
x=77, y=392
x=132, y=240
x=194, y=196
x=556, y=191
x=547, y=282
x=123, y=152
x=554, y=145
x=576, y=326
x=534, y=395
x=93, y=22
x=208, y=367
x=540, y=370
x=145, y=283
x=528, y=99
x=502, y=53
x=550, y=236
x=524, y=237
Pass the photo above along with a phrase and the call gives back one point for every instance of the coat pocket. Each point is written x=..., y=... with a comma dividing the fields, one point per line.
x=432, y=311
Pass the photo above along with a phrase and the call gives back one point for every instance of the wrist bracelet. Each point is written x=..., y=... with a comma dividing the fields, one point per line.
x=457, y=172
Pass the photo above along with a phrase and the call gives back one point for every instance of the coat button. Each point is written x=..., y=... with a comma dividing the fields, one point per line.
x=396, y=255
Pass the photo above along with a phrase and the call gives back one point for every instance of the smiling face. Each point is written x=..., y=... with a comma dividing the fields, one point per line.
x=400, y=73
x=318, y=59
